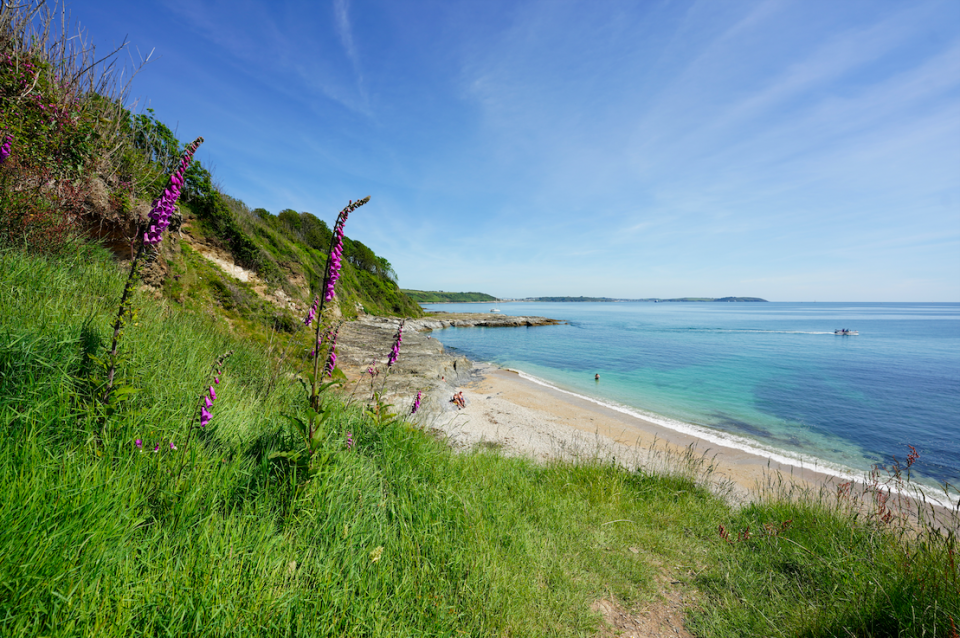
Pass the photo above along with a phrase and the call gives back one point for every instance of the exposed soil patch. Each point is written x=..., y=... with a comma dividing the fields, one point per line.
x=662, y=618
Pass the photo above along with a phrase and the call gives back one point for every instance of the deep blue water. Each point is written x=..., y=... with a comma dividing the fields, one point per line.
x=771, y=373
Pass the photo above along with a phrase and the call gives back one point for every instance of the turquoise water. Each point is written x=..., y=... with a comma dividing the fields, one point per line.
x=771, y=377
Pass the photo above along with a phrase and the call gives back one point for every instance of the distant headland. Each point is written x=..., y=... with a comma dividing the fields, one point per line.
x=422, y=296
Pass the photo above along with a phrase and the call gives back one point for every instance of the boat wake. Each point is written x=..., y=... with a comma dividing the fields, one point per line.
x=777, y=332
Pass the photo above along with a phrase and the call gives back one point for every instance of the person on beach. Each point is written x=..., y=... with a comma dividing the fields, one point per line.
x=596, y=377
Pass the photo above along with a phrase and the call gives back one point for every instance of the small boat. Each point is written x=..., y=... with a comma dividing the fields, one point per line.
x=495, y=309
x=846, y=333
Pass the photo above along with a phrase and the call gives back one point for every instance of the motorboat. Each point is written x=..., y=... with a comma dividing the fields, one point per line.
x=843, y=332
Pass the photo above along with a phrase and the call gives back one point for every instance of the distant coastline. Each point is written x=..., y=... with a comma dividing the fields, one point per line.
x=604, y=300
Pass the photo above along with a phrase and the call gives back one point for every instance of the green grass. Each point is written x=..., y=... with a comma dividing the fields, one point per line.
x=99, y=539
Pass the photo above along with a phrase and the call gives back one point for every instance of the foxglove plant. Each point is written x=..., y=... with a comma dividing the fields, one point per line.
x=205, y=402
x=311, y=427
x=313, y=312
x=163, y=208
x=395, y=351
x=378, y=410
x=332, y=357
x=5, y=149
x=416, y=403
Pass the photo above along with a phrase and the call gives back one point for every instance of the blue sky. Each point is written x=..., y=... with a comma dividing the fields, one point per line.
x=792, y=150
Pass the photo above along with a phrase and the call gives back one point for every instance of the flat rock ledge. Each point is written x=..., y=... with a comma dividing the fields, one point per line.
x=440, y=320
x=424, y=364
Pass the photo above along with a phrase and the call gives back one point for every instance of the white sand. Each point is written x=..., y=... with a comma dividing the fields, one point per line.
x=520, y=417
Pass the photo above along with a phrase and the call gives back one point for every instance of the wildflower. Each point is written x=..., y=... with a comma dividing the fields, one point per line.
x=395, y=351
x=156, y=449
x=336, y=252
x=205, y=414
x=163, y=207
x=349, y=441
x=5, y=149
x=416, y=403
x=210, y=396
x=313, y=312
x=139, y=444
x=332, y=359
x=172, y=446
x=336, y=255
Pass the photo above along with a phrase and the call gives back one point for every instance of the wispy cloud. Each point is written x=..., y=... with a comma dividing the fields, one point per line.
x=341, y=11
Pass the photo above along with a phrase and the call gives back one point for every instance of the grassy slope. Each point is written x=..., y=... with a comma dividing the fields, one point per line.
x=282, y=254
x=103, y=540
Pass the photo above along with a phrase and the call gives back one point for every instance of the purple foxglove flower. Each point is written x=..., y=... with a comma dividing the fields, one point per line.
x=395, y=351
x=205, y=416
x=208, y=402
x=332, y=359
x=163, y=207
x=416, y=404
x=139, y=444
x=5, y=149
x=213, y=393
x=216, y=379
x=312, y=313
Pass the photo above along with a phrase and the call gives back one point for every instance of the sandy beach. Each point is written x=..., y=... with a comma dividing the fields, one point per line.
x=519, y=416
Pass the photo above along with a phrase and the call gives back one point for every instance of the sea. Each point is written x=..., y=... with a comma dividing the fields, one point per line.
x=768, y=377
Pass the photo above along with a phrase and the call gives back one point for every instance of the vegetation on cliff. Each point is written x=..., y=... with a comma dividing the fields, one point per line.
x=80, y=162
x=423, y=296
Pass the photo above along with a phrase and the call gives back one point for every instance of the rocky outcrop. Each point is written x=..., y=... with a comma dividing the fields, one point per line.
x=424, y=364
x=441, y=320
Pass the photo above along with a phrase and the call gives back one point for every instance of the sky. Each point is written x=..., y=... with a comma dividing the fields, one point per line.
x=800, y=150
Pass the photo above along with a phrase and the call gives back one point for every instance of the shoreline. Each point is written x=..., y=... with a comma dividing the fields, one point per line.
x=508, y=411
x=512, y=412
x=518, y=414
